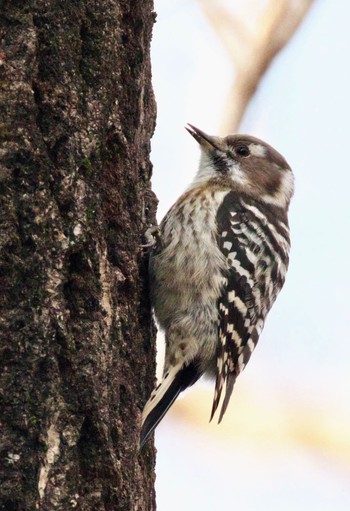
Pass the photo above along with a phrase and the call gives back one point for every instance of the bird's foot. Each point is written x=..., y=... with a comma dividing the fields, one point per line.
x=152, y=236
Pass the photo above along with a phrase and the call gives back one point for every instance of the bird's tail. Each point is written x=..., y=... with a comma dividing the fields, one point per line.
x=177, y=379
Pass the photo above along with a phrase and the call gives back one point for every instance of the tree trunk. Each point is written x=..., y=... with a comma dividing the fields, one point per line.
x=77, y=338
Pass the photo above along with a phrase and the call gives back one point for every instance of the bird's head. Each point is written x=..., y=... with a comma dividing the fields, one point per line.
x=246, y=164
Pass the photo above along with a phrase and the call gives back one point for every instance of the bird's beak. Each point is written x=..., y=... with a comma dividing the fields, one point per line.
x=204, y=140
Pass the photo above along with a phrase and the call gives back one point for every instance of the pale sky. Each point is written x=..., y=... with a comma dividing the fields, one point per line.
x=302, y=109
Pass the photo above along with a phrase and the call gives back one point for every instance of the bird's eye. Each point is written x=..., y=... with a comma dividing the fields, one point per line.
x=243, y=150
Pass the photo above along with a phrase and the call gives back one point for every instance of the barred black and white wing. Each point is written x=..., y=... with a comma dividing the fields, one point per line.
x=254, y=239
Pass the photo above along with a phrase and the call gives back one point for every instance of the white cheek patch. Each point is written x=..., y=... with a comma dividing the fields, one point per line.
x=284, y=193
x=287, y=184
x=257, y=150
x=237, y=175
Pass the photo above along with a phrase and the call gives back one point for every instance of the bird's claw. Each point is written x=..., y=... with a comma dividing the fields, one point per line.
x=152, y=236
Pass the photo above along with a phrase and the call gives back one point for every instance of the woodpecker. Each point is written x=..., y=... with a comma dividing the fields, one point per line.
x=217, y=266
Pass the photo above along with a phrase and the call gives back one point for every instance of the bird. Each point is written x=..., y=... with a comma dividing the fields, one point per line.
x=219, y=258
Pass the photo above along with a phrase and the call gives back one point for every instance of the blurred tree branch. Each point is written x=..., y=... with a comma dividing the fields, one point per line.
x=252, y=50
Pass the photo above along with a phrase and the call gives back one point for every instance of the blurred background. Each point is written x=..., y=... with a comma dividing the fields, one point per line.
x=285, y=440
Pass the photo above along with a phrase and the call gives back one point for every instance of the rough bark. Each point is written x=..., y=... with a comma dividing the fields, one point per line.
x=77, y=338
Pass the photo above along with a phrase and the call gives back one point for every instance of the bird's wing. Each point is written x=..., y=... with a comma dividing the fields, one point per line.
x=239, y=307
